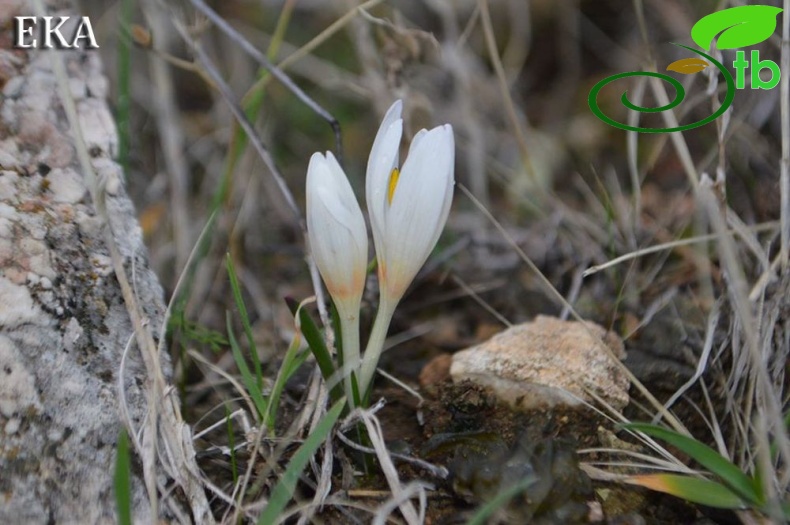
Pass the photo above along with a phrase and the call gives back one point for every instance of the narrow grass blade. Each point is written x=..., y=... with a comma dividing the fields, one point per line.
x=315, y=340
x=296, y=363
x=335, y=319
x=290, y=364
x=500, y=500
x=714, y=462
x=283, y=491
x=245, y=319
x=122, y=482
x=246, y=375
x=355, y=391
x=695, y=490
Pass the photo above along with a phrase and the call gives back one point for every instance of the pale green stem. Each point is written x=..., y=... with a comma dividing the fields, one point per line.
x=376, y=343
x=349, y=328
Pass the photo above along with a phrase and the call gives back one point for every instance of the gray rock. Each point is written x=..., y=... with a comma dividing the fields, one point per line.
x=64, y=321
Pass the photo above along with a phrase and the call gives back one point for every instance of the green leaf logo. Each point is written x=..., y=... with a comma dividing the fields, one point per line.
x=739, y=26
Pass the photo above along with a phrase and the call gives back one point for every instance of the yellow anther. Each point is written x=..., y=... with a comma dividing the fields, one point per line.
x=393, y=182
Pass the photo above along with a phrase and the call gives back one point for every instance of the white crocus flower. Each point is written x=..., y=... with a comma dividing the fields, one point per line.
x=339, y=243
x=408, y=209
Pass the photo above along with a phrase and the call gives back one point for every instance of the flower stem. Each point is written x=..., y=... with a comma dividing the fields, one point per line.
x=349, y=328
x=375, y=345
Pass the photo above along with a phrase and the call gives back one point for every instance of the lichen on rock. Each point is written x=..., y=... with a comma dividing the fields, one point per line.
x=63, y=321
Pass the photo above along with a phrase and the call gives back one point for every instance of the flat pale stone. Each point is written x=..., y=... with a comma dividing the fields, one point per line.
x=547, y=362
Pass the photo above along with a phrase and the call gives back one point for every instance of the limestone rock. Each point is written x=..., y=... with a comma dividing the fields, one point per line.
x=547, y=362
x=64, y=323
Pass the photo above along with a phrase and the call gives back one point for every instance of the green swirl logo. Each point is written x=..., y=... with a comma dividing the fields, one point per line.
x=680, y=94
x=737, y=27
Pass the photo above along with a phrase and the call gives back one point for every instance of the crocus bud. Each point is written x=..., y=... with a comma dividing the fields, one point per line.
x=336, y=230
x=339, y=243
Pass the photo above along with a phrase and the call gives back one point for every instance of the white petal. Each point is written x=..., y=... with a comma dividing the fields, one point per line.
x=383, y=158
x=419, y=207
x=416, y=140
x=346, y=197
x=448, y=145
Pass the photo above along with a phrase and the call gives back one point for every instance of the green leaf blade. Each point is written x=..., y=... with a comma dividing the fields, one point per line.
x=245, y=319
x=714, y=462
x=740, y=26
x=122, y=481
x=283, y=491
x=291, y=362
x=696, y=490
x=315, y=340
x=246, y=376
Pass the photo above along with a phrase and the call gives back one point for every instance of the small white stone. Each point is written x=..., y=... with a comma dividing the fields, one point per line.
x=8, y=191
x=7, y=212
x=6, y=228
x=38, y=255
x=98, y=86
x=16, y=275
x=89, y=225
x=109, y=174
x=71, y=336
x=113, y=186
x=46, y=298
x=13, y=87
x=12, y=426
x=78, y=88
x=8, y=109
x=17, y=306
x=36, y=227
x=102, y=264
x=97, y=126
x=17, y=387
x=66, y=185
x=30, y=246
x=547, y=362
x=8, y=160
x=37, y=99
x=42, y=265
